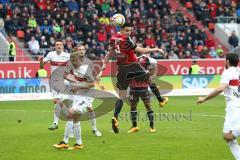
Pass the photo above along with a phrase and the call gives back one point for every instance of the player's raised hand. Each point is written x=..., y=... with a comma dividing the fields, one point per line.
x=161, y=51
x=40, y=58
x=100, y=85
x=102, y=68
x=98, y=76
x=200, y=100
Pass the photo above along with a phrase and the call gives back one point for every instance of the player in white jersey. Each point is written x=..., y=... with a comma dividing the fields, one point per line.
x=79, y=74
x=230, y=85
x=59, y=58
x=56, y=58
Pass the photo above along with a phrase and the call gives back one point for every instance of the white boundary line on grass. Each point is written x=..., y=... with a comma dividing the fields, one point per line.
x=48, y=96
x=46, y=111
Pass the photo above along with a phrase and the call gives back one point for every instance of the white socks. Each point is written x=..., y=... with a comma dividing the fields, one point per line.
x=76, y=129
x=235, y=149
x=77, y=132
x=57, y=110
x=92, y=118
x=68, y=129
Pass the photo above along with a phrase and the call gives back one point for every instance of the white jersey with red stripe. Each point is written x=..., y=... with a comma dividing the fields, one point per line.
x=57, y=60
x=83, y=74
x=231, y=76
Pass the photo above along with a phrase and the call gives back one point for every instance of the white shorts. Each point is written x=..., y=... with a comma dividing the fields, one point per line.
x=80, y=103
x=56, y=95
x=232, y=119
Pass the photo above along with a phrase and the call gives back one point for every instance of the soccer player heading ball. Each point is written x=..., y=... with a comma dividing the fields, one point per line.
x=124, y=49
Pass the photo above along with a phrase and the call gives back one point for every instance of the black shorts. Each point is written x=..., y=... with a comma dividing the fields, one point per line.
x=127, y=72
x=136, y=93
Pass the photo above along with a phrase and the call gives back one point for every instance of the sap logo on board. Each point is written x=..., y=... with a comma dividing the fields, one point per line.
x=195, y=81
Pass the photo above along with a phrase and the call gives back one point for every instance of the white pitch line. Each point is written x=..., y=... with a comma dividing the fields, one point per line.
x=208, y=115
x=46, y=111
x=22, y=110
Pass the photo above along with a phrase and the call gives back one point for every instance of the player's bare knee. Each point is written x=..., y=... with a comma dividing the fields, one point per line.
x=151, y=81
x=76, y=118
x=147, y=105
x=75, y=121
x=55, y=101
x=228, y=136
x=122, y=94
x=90, y=109
x=133, y=108
x=60, y=103
x=70, y=114
x=149, y=109
x=122, y=97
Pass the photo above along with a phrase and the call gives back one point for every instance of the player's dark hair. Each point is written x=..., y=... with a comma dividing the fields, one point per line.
x=126, y=24
x=58, y=40
x=233, y=59
x=75, y=49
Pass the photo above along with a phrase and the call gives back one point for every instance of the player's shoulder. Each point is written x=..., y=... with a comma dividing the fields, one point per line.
x=66, y=54
x=226, y=71
x=152, y=60
x=51, y=53
x=147, y=58
x=231, y=71
x=117, y=36
x=87, y=60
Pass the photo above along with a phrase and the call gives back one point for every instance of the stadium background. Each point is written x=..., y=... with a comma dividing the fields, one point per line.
x=185, y=29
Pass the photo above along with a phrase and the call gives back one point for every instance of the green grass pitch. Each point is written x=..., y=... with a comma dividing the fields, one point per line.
x=198, y=137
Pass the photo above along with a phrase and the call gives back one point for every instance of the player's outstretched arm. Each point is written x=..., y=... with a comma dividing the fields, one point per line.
x=106, y=58
x=142, y=50
x=42, y=62
x=69, y=77
x=45, y=60
x=101, y=70
x=85, y=86
x=213, y=94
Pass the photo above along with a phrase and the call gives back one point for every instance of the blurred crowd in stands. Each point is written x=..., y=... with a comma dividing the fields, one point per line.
x=40, y=22
x=208, y=10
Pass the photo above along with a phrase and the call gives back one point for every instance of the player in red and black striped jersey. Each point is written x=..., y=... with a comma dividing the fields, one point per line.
x=124, y=49
x=140, y=90
x=150, y=64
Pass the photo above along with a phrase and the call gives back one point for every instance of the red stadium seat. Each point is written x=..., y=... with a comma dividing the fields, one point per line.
x=188, y=5
x=20, y=34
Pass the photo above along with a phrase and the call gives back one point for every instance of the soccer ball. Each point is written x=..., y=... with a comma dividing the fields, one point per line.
x=118, y=19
